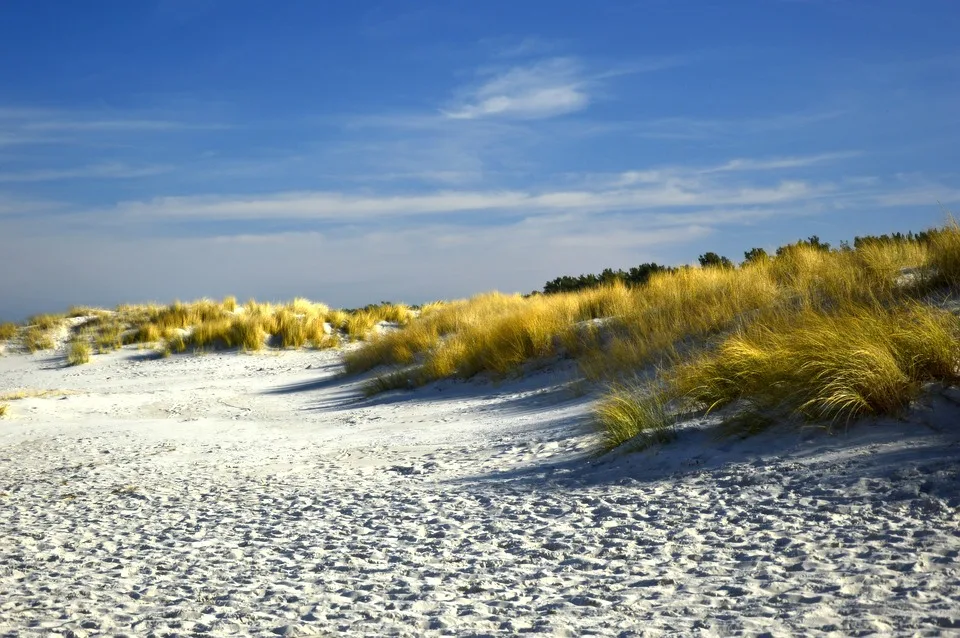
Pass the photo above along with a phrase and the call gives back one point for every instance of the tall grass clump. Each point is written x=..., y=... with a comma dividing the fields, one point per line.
x=35, y=339
x=46, y=321
x=8, y=331
x=4, y=409
x=865, y=360
x=291, y=329
x=78, y=352
x=633, y=413
x=249, y=333
x=943, y=263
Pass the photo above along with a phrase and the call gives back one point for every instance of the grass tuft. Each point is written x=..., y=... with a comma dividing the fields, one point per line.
x=78, y=353
x=37, y=339
x=4, y=409
x=8, y=331
x=634, y=414
x=827, y=366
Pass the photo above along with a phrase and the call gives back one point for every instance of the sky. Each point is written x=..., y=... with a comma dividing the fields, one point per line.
x=353, y=152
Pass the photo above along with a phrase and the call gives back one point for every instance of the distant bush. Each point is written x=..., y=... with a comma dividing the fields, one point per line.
x=713, y=260
x=754, y=255
x=635, y=276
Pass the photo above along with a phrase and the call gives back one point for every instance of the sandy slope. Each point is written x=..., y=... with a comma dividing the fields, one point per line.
x=233, y=494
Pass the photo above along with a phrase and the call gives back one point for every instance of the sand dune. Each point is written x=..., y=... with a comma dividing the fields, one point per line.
x=226, y=494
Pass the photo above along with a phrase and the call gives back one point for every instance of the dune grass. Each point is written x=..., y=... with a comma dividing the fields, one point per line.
x=652, y=323
x=78, y=352
x=814, y=334
x=4, y=409
x=634, y=413
x=817, y=366
x=45, y=321
x=827, y=366
x=8, y=331
x=36, y=339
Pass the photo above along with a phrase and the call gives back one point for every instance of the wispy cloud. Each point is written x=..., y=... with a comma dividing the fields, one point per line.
x=95, y=171
x=780, y=162
x=350, y=208
x=690, y=175
x=18, y=120
x=545, y=89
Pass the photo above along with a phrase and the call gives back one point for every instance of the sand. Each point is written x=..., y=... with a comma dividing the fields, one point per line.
x=229, y=494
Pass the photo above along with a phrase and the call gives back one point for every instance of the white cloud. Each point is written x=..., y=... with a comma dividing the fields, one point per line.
x=545, y=89
x=95, y=171
x=343, y=207
x=779, y=162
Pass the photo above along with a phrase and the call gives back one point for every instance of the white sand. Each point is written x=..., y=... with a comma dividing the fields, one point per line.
x=232, y=494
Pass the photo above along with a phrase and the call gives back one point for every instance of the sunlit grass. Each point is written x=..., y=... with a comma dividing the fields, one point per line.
x=78, y=352
x=46, y=321
x=4, y=409
x=8, y=331
x=634, y=413
x=36, y=339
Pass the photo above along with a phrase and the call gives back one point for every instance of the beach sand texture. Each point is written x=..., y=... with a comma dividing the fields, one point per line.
x=227, y=494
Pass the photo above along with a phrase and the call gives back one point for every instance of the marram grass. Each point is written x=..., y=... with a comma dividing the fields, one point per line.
x=78, y=352
x=8, y=331
x=633, y=413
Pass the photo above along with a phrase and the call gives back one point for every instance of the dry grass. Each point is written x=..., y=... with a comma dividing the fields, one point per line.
x=661, y=322
x=4, y=409
x=45, y=322
x=35, y=339
x=634, y=413
x=828, y=367
x=943, y=264
x=818, y=366
x=8, y=331
x=78, y=352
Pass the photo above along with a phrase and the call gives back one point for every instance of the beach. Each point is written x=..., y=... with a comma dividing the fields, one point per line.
x=229, y=494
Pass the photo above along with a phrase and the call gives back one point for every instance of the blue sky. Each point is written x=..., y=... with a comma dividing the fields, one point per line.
x=353, y=152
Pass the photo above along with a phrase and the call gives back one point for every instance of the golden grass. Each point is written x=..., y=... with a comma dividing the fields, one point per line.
x=4, y=409
x=249, y=333
x=338, y=319
x=46, y=321
x=8, y=331
x=943, y=264
x=634, y=413
x=291, y=329
x=35, y=339
x=78, y=352
x=672, y=314
x=359, y=324
x=859, y=361
x=816, y=365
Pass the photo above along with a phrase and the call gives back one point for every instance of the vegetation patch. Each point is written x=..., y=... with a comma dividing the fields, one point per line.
x=8, y=331
x=78, y=352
